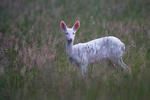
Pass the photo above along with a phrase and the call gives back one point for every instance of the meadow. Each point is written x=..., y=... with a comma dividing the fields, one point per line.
x=33, y=61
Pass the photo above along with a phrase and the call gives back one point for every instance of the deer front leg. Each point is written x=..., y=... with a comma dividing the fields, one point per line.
x=84, y=69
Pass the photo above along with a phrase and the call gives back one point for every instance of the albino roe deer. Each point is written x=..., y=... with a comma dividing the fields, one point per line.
x=105, y=48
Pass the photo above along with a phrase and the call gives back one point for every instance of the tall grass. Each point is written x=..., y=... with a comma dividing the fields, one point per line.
x=33, y=62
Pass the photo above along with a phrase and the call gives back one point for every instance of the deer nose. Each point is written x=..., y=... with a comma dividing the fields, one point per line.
x=70, y=40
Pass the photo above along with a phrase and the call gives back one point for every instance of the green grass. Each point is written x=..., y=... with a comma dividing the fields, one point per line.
x=33, y=61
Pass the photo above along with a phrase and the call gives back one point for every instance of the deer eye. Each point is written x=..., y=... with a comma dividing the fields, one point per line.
x=66, y=33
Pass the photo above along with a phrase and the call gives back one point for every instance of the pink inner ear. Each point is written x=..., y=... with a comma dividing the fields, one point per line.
x=76, y=26
x=63, y=26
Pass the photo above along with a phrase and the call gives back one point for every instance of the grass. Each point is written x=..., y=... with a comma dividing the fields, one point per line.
x=33, y=62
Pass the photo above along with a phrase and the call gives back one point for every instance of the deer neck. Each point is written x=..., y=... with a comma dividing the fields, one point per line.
x=69, y=46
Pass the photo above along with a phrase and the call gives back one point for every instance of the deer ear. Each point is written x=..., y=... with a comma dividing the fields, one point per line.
x=63, y=26
x=76, y=26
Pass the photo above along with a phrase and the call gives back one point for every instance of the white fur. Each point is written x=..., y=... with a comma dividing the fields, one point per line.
x=105, y=48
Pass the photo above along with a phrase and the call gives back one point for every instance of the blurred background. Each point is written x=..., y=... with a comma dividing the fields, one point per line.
x=33, y=62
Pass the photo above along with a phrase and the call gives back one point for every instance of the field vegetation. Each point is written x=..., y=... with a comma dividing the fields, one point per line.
x=33, y=61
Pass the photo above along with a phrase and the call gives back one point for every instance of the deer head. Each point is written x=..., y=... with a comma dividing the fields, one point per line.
x=70, y=32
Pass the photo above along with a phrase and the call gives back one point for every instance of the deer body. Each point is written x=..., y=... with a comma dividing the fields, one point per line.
x=83, y=54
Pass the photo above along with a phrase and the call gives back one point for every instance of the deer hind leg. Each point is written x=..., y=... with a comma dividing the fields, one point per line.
x=112, y=64
x=123, y=65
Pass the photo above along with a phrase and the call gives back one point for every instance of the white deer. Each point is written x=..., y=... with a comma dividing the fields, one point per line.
x=82, y=54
